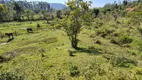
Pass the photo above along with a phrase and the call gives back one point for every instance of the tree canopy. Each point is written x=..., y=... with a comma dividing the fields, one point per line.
x=79, y=16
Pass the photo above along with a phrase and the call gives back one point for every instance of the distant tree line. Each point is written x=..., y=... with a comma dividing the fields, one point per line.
x=116, y=9
x=12, y=10
x=23, y=10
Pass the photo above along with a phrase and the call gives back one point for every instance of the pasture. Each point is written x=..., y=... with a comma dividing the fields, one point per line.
x=46, y=54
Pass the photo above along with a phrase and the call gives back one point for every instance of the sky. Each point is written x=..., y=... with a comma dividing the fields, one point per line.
x=96, y=3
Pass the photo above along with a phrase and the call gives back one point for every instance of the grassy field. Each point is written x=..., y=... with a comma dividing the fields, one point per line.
x=107, y=51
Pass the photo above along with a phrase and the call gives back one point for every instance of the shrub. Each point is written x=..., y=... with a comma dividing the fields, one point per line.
x=140, y=30
x=103, y=32
x=99, y=24
x=125, y=40
x=139, y=43
x=2, y=35
x=122, y=75
x=138, y=71
x=71, y=52
x=57, y=26
x=133, y=52
x=4, y=59
x=60, y=75
x=92, y=36
x=5, y=25
x=10, y=76
x=122, y=62
x=122, y=40
x=38, y=26
x=74, y=71
x=98, y=42
x=114, y=41
x=91, y=47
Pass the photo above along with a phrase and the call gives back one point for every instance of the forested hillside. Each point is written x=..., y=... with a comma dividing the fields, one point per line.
x=78, y=42
x=25, y=11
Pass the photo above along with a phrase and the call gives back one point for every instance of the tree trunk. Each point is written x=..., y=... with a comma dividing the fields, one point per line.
x=28, y=18
x=74, y=43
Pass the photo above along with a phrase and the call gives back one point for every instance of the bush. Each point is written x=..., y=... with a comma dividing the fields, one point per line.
x=125, y=40
x=122, y=40
x=140, y=30
x=114, y=41
x=10, y=76
x=38, y=26
x=138, y=71
x=71, y=52
x=133, y=52
x=139, y=43
x=122, y=62
x=60, y=75
x=57, y=26
x=74, y=71
x=4, y=59
x=103, y=32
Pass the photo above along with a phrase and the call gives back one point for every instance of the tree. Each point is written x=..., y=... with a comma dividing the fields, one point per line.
x=96, y=12
x=29, y=14
x=79, y=16
x=139, y=1
x=2, y=10
x=115, y=5
x=58, y=14
x=44, y=14
x=18, y=10
x=125, y=2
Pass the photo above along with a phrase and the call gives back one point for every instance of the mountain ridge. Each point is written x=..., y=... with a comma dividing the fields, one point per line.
x=57, y=6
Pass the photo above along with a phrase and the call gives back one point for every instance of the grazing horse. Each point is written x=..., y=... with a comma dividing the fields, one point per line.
x=38, y=26
x=29, y=30
x=10, y=35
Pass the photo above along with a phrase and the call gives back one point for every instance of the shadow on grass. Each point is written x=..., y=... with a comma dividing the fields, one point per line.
x=88, y=51
x=9, y=40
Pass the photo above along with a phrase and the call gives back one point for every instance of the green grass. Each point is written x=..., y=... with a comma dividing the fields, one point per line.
x=44, y=55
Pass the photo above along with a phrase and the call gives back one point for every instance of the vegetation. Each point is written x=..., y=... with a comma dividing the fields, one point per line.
x=105, y=42
x=78, y=17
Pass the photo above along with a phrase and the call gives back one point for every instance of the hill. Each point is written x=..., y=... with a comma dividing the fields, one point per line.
x=32, y=4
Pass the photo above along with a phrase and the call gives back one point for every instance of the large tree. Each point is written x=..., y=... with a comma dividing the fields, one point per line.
x=2, y=10
x=79, y=16
x=29, y=14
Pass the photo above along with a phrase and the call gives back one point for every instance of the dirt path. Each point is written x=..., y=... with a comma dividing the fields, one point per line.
x=3, y=44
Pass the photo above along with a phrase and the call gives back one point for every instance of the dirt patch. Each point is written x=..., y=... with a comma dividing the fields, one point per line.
x=14, y=53
x=2, y=44
x=50, y=40
x=130, y=9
